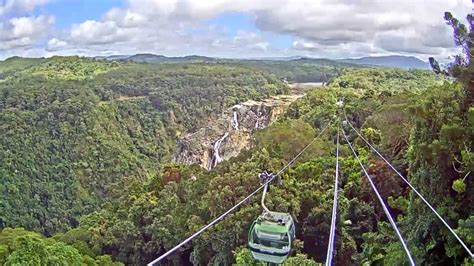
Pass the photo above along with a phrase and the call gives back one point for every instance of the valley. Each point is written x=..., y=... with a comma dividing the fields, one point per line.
x=113, y=163
x=236, y=133
x=232, y=131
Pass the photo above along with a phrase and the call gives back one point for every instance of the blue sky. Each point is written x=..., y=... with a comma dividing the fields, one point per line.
x=229, y=28
x=76, y=11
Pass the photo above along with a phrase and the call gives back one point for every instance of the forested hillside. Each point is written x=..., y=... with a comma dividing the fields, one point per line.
x=74, y=128
x=301, y=70
x=294, y=70
x=87, y=178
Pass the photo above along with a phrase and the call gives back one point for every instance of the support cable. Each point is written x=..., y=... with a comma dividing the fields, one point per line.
x=332, y=233
x=385, y=209
x=414, y=190
x=222, y=216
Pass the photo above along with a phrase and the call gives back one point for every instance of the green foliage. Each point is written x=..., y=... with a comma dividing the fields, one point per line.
x=300, y=259
x=459, y=186
x=62, y=254
x=75, y=129
x=21, y=247
x=285, y=139
x=188, y=94
x=301, y=70
x=154, y=212
x=466, y=229
x=12, y=65
x=372, y=135
x=71, y=68
x=28, y=250
x=399, y=203
x=384, y=81
x=243, y=256
x=382, y=247
x=85, y=156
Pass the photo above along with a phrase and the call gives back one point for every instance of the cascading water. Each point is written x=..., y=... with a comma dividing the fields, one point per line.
x=208, y=144
x=215, y=150
x=234, y=122
x=258, y=120
x=215, y=155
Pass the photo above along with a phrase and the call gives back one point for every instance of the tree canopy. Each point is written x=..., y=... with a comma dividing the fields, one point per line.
x=86, y=170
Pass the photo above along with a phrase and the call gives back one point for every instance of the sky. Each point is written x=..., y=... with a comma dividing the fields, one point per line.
x=229, y=28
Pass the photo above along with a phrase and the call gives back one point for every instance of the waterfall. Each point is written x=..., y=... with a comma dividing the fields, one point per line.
x=234, y=122
x=215, y=156
x=258, y=120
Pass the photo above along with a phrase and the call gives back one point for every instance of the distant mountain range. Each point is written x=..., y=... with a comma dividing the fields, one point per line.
x=396, y=61
x=153, y=58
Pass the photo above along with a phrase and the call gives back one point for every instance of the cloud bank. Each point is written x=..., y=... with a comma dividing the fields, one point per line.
x=319, y=28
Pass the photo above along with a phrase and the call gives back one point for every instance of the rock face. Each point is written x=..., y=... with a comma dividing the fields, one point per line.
x=231, y=132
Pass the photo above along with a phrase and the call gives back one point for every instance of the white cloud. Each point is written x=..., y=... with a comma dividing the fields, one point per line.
x=322, y=28
x=55, y=45
x=20, y=31
x=165, y=27
x=30, y=26
x=125, y=18
x=249, y=40
x=7, y=6
x=405, y=26
x=341, y=50
x=23, y=31
x=97, y=32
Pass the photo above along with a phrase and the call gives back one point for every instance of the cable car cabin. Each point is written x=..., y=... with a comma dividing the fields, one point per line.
x=270, y=237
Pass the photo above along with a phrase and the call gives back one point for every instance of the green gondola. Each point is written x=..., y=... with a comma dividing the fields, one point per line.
x=271, y=235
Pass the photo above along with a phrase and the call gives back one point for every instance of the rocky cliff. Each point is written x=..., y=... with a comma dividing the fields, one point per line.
x=230, y=132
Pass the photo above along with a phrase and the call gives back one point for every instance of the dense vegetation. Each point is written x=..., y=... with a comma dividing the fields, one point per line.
x=292, y=70
x=74, y=128
x=301, y=70
x=84, y=159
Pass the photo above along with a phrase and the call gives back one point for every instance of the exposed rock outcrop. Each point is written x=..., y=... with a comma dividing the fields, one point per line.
x=231, y=132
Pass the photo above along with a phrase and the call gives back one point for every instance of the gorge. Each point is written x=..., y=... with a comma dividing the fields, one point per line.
x=231, y=131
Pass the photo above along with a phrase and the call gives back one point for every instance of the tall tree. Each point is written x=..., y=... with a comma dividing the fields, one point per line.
x=462, y=67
